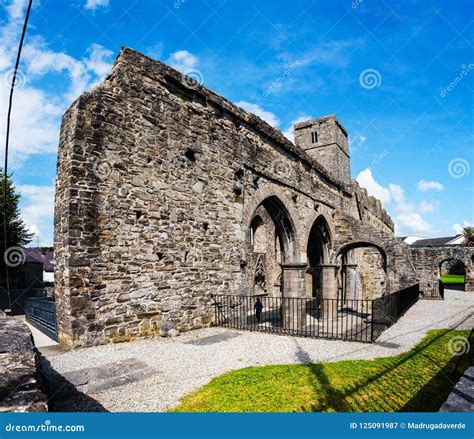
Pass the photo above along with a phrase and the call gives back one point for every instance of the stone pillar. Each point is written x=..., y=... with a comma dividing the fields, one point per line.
x=294, y=286
x=350, y=281
x=469, y=280
x=329, y=288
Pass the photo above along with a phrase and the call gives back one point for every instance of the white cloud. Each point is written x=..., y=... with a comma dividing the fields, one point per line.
x=356, y=141
x=366, y=180
x=16, y=9
x=36, y=113
x=428, y=206
x=331, y=53
x=82, y=74
x=267, y=116
x=458, y=228
x=408, y=220
x=99, y=60
x=34, y=124
x=289, y=133
x=94, y=4
x=411, y=222
x=183, y=61
x=37, y=210
x=155, y=51
x=424, y=185
x=396, y=193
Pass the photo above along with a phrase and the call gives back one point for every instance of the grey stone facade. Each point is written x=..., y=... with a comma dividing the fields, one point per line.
x=167, y=193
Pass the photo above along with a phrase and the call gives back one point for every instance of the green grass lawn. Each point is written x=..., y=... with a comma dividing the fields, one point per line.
x=452, y=278
x=417, y=380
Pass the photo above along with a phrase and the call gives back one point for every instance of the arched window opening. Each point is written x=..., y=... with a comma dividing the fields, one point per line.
x=271, y=239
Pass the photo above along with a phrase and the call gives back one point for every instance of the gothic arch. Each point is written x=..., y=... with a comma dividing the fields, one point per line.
x=268, y=197
x=283, y=222
x=318, y=252
x=320, y=229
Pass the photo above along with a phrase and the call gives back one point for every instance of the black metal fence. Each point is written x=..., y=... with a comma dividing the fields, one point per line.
x=41, y=313
x=433, y=291
x=352, y=320
x=388, y=309
x=16, y=298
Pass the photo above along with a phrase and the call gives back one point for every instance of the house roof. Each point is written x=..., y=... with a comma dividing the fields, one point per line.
x=46, y=258
x=446, y=240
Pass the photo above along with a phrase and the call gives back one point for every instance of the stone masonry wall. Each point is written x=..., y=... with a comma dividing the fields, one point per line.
x=428, y=260
x=19, y=388
x=158, y=180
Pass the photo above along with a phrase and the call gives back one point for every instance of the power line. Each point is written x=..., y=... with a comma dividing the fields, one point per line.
x=7, y=139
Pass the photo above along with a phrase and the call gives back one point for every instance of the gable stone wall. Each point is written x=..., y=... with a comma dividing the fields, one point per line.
x=158, y=180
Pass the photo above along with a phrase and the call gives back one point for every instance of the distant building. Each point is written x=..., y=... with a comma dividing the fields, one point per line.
x=410, y=239
x=438, y=242
x=46, y=257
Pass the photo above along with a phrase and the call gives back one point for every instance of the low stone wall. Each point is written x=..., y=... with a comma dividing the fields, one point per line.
x=19, y=388
x=461, y=399
x=428, y=260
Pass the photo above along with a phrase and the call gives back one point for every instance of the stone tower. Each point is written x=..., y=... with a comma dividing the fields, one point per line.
x=325, y=140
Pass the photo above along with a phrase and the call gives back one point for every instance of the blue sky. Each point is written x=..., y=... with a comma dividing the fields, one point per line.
x=399, y=75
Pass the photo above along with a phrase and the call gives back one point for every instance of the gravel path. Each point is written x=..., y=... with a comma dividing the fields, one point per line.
x=189, y=361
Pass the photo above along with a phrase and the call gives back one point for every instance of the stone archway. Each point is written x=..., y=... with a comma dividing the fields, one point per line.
x=452, y=273
x=318, y=252
x=361, y=271
x=428, y=260
x=271, y=246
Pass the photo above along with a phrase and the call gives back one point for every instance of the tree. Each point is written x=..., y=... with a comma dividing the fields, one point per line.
x=468, y=233
x=17, y=233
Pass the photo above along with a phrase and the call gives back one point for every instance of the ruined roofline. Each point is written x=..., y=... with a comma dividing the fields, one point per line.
x=224, y=104
x=375, y=206
x=130, y=56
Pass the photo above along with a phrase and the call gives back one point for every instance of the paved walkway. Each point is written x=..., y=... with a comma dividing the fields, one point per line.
x=174, y=367
x=41, y=340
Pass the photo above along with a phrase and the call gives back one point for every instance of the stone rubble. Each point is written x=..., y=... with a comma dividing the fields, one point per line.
x=19, y=369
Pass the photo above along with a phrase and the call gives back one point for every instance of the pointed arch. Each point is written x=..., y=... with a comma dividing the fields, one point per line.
x=318, y=249
x=284, y=225
x=319, y=242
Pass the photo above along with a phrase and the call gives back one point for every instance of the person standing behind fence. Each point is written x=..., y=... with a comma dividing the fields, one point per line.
x=258, y=309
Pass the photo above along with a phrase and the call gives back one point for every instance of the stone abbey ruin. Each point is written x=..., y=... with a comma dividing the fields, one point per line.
x=167, y=193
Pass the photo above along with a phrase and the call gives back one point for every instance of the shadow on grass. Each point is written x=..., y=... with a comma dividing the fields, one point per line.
x=372, y=394
x=434, y=393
